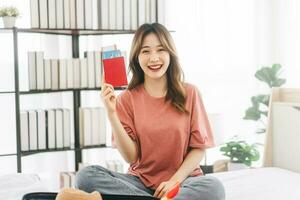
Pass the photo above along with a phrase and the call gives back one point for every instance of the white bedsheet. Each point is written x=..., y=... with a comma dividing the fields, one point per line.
x=14, y=186
x=261, y=184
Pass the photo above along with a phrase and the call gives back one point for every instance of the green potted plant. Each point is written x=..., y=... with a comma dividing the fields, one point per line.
x=9, y=15
x=258, y=111
x=241, y=154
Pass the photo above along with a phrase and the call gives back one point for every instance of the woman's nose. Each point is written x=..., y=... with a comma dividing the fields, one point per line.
x=154, y=57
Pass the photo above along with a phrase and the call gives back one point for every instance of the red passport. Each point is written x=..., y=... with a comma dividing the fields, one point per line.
x=115, y=72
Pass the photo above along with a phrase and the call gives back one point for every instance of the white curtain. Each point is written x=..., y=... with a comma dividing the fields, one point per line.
x=222, y=43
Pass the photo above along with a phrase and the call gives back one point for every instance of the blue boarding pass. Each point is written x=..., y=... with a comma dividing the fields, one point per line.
x=111, y=54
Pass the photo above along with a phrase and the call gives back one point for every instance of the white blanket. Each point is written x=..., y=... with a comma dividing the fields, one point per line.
x=261, y=184
x=14, y=186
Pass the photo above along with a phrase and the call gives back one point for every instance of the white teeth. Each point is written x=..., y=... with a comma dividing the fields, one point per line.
x=155, y=66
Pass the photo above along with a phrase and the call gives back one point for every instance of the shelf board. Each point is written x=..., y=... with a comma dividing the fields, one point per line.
x=27, y=153
x=94, y=147
x=7, y=92
x=69, y=31
x=65, y=90
x=9, y=154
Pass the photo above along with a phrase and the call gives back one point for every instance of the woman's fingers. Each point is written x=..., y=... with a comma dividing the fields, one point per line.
x=106, y=89
x=159, y=192
x=106, y=85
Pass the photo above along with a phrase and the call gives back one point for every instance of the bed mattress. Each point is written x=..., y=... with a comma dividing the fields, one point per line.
x=260, y=184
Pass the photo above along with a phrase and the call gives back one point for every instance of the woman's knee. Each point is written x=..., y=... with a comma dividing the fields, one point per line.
x=85, y=177
x=216, y=190
x=207, y=187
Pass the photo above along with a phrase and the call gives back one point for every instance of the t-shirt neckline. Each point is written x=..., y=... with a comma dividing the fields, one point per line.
x=152, y=97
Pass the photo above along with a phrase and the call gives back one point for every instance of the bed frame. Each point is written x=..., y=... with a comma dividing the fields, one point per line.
x=283, y=131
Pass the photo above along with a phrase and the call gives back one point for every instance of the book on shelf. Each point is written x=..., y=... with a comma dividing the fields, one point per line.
x=83, y=73
x=80, y=14
x=32, y=70
x=134, y=14
x=147, y=11
x=50, y=131
x=96, y=10
x=67, y=128
x=88, y=12
x=41, y=129
x=98, y=68
x=34, y=14
x=39, y=70
x=52, y=19
x=102, y=122
x=72, y=14
x=47, y=73
x=43, y=14
x=33, y=138
x=67, y=16
x=119, y=15
x=104, y=14
x=70, y=73
x=92, y=126
x=67, y=179
x=98, y=126
x=60, y=14
x=62, y=66
x=115, y=72
x=127, y=17
x=112, y=14
x=54, y=74
x=59, y=129
x=153, y=12
x=90, y=69
x=24, y=129
x=85, y=127
x=141, y=12
x=77, y=73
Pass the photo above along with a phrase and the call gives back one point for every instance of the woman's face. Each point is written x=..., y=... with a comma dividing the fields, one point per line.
x=153, y=58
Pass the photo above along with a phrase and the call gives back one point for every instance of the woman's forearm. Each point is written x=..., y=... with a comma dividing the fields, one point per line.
x=124, y=143
x=191, y=161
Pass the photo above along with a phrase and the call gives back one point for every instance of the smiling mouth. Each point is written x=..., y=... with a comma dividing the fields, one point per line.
x=155, y=67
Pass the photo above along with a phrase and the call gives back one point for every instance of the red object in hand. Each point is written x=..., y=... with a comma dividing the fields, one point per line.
x=115, y=72
x=173, y=192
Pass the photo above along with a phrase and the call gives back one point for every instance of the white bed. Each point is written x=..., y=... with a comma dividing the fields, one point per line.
x=261, y=184
x=280, y=178
x=14, y=186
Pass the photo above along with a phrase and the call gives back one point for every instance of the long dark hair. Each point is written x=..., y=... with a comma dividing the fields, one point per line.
x=175, y=76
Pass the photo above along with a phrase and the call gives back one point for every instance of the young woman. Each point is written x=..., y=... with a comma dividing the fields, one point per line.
x=159, y=125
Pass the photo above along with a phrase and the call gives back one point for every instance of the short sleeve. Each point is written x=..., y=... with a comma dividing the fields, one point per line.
x=201, y=133
x=125, y=113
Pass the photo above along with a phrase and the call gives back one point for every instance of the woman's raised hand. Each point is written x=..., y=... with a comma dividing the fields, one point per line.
x=108, y=96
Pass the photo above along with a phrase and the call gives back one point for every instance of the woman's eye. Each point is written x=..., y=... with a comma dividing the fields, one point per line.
x=161, y=49
x=145, y=51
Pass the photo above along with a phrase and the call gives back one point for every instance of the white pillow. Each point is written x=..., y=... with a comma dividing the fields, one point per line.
x=14, y=186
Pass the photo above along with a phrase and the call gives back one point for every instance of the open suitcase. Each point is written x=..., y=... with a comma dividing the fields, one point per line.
x=52, y=196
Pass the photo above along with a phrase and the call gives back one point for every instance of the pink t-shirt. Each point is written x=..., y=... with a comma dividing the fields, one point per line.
x=163, y=135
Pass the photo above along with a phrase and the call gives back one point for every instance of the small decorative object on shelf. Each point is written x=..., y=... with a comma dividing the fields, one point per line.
x=9, y=15
x=241, y=154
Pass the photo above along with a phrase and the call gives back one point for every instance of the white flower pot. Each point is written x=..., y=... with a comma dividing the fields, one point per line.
x=236, y=166
x=9, y=22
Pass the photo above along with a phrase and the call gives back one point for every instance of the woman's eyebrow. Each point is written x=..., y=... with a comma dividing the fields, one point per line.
x=150, y=47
